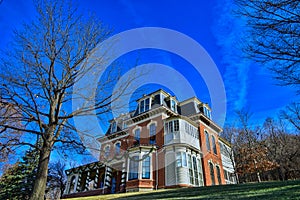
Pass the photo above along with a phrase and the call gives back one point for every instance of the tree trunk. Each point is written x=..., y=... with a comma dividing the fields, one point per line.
x=39, y=187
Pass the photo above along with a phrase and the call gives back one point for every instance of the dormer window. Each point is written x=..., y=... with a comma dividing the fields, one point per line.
x=144, y=105
x=173, y=105
x=113, y=127
x=207, y=112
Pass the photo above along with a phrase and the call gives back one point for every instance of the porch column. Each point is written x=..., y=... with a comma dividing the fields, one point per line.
x=87, y=181
x=78, y=182
x=108, y=176
x=123, y=176
x=96, y=179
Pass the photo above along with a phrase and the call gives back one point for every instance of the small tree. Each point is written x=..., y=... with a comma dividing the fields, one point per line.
x=17, y=181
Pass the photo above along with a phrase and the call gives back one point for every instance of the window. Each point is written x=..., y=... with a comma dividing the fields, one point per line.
x=173, y=105
x=190, y=169
x=152, y=130
x=195, y=171
x=207, y=112
x=219, y=175
x=191, y=130
x=207, y=141
x=133, y=168
x=113, y=127
x=117, y=148
x=152, y=133
x=200, y=172
x=214, y=144
x=176, y=125
x=181, y=159
x=145, y=105
x=124, y=125
x=107, y=151
x=212, y=173
x=178, y=159
x=172, y=126
x=146, y=168
x=137, y=134
x=184, y=162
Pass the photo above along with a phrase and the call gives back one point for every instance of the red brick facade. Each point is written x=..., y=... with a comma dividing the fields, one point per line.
x=180, y=145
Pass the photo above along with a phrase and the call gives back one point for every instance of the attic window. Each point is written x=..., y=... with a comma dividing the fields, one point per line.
x=113, y=127
x=207, y=112
x=173, y=105
x=144, y=105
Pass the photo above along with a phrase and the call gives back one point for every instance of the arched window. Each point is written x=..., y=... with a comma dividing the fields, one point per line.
x=107, y=151
x=137, y=135
x=117, y=148
x=152, y=133
x=214, y=144
x=212, y=173
x=218, y=175
x=207, y=141
x=72, y=184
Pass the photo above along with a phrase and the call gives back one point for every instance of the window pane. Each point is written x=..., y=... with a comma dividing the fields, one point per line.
x=152, y=129
x=118, y=147
x=137, y=135
x=212, y=173
x=147, y=102
x=113, y=127
x=219, y=175
x=167, y=127
x=176, y=125
x=178, y=159
x=171, y=126
x=173, y=105
x=207, y=141
x=142, y=108
x=184, y=162
x=214, y=144
x=133, y=168
x=106, y=152
x=190, y=169
x=146, y=168
x=195, y=171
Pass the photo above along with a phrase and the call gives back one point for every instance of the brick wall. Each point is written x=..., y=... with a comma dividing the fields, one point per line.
x=210, y=156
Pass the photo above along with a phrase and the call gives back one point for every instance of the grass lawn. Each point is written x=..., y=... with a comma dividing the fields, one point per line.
x=266, y=190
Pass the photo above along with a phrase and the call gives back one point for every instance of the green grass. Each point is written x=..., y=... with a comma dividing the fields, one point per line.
x=266, y=190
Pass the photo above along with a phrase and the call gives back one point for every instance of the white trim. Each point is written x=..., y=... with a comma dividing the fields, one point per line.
x=150, y=123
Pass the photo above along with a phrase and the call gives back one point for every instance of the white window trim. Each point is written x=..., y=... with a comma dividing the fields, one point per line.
x=115, y=146
x=115, y=128
x=107, y=145
x=144, y=99
x=150, y=123
x=140, y=166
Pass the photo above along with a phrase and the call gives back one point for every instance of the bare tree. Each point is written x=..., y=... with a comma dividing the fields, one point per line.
x=250, y=152
x=230, y=133
x=273, y=37
x=57, y=180
x=292, y=114
x=283, y=148
x=38, y=72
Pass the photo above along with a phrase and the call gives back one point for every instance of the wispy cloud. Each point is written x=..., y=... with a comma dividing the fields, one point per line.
x=228, y=31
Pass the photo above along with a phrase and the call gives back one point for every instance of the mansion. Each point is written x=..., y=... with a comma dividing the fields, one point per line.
x=164, y=143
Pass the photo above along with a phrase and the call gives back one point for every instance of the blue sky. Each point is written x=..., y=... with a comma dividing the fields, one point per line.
x=210, y=23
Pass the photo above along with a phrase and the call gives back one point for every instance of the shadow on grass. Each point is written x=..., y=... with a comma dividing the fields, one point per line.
x=266, y=190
